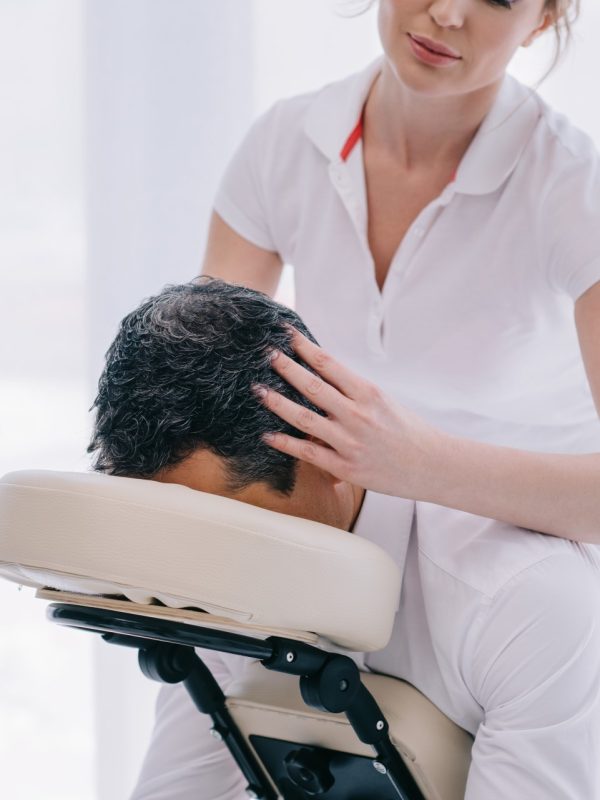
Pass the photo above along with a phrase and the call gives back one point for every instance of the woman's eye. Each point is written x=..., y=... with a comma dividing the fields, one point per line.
x=501, y=3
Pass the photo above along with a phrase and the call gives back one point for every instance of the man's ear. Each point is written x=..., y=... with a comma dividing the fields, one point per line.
x=548, y=19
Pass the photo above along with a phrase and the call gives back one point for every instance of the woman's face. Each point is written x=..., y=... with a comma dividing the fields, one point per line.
x=484, y=33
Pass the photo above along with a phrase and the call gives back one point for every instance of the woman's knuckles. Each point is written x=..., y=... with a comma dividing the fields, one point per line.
x=322, y=361
x=308, y=451
x=305, y=419
x=314, y=386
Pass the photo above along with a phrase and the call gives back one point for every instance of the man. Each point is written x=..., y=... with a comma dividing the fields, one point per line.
x=497, y=626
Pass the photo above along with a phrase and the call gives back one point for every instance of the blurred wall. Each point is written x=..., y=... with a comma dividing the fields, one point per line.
x=571, y=87
x=168, y=89
x=46, y=696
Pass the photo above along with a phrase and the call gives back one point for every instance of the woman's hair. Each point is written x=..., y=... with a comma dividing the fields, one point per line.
x=567, y=12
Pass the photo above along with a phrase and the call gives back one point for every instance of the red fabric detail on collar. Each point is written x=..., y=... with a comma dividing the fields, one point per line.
x=352, y=140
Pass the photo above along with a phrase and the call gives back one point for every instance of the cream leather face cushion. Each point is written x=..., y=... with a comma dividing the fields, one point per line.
x=100, y=534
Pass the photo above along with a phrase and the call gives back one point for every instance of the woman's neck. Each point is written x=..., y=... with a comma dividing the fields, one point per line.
x=422, y=131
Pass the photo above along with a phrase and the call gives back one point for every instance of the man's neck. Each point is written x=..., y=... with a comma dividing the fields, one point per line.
x=306, y=503
x=316, y=496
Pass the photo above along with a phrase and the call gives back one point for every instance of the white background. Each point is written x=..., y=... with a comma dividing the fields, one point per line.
x=116, y=119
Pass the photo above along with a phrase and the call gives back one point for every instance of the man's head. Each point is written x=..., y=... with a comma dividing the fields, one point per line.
x=175, y=402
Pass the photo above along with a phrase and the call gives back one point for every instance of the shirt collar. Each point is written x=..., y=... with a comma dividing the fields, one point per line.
x=502, y=136
x=491, y=157
x=336, y=109
x=387, y=522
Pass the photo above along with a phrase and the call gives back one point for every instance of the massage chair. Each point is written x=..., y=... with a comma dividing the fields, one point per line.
x=165, y=569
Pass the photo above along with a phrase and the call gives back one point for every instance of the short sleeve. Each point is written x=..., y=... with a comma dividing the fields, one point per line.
x=242, y=197
x=571, y=226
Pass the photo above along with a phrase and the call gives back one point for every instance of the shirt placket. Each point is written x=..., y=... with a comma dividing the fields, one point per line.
x=406, y=258
x=380, y=304
x=354, y=202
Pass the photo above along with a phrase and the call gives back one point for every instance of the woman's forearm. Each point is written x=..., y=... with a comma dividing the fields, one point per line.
x=551, y=493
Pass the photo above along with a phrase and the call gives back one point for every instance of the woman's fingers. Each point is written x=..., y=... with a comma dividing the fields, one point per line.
x=323, y=457
x=313, y=387
x=330, y=369
x=299, y=416
x=365, y=438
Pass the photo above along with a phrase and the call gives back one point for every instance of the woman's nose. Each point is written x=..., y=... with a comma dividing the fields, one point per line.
x=449, y=13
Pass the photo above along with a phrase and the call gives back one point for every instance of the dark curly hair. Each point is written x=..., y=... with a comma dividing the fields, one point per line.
x=178, y=377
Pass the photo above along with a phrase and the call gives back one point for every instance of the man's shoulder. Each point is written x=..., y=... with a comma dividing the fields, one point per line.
x=485, y=555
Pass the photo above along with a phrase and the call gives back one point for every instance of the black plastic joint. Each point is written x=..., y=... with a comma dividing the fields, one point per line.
x=167, y=663
x=334, y=687
x=293, y=657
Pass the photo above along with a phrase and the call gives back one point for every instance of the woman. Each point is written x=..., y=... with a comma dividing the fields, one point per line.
x=442, y=222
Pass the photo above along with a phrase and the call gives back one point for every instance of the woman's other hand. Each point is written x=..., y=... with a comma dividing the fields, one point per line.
x=365, y=438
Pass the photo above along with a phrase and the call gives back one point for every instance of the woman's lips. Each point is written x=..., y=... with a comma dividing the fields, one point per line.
x=435, y=47
x=429, y=57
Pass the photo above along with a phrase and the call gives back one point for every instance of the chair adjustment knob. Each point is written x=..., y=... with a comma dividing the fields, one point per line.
x=334, y=687
x=309, y=770
x=165, y=662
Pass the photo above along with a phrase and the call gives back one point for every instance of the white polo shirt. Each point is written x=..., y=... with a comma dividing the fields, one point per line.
x=474, y=328
x=497, y=626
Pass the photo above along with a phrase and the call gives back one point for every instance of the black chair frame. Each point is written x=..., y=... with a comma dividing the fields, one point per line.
x=328, y=681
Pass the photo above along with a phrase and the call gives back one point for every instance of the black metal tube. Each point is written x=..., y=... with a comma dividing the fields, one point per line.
x=120, y=622
x=397, y=771
x=365, y=716
x=209, y=699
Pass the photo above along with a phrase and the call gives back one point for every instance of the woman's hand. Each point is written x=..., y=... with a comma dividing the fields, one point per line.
x=365, y=438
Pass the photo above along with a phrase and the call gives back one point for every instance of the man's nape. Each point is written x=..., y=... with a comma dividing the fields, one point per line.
x=316, y=495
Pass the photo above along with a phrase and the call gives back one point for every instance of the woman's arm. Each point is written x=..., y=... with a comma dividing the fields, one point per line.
x=587, y=320
x=236, y=260
x=372, y=442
